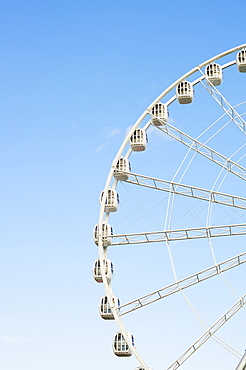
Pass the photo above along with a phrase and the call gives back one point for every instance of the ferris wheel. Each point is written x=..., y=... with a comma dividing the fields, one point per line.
x=172, y=224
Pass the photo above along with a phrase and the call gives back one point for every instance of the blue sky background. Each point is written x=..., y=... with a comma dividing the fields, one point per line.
x=74, y=75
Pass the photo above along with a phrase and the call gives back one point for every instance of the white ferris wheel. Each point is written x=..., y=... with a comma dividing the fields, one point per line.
x=172, y=225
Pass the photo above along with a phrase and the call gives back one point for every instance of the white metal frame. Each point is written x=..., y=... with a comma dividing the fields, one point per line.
x=182, y=284
x=231, y=200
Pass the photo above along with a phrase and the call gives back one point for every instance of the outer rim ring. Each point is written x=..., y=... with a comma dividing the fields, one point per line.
x=101, y=249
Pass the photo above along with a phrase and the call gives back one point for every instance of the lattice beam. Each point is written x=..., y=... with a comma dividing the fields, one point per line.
x=208, y=334
x=203, y=149
x=179, y=234
x=225, y=105
x=183, y=284
x=186, y=190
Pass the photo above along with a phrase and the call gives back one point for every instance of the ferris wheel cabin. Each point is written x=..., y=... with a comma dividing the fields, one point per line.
x=105, y=309
x=184, y=92
x=122, y=166
x=241, y=60
x=97, y=271
x=214, y=74
x=159, y=113
x=107, y=232
x=120, y=345
x=138, y=140
x=112, y=200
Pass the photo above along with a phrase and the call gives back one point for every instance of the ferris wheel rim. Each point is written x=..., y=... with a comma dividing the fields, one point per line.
x=156, y=100
x=103, y=215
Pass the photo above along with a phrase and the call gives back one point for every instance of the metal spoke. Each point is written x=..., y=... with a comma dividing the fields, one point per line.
x=183, y=284
x=208, y=334
x=179, y=234
x=242, y=363
x=225, y=105
x=203, y=149
x=226, y=165
x=186, y=190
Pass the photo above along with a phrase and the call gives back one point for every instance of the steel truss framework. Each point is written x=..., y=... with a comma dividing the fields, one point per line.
x=203, y=149
x=182, y=284
x=189, y=191
x=209, y=333
x=224, y=104
x=182, y=234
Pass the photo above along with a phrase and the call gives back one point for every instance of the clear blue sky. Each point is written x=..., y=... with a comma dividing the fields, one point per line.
x=74, y=75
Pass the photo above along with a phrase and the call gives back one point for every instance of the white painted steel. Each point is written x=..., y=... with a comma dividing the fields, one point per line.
x=242, y=363
x=225, y=105
x=180, y=234
x=209, y=333
x=186, y=190
x=204, y=150
x=182, y=284
x=111, y=182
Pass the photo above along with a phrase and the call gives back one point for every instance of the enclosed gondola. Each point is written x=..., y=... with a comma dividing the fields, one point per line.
x=214, y=74
x=120, y=346
x=184, y=92
x=97, y=270
x=159, y=113
x=107, y=232
x=112, y=200
x=122, y=166
x=105, y=309
x=138, y=140
x=241, y=60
